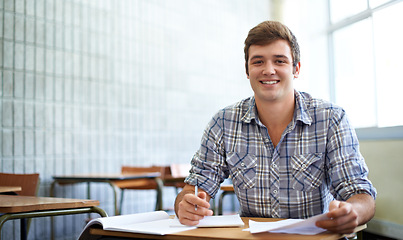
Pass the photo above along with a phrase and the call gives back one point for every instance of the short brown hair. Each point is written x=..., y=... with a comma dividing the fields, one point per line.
x=268, y=32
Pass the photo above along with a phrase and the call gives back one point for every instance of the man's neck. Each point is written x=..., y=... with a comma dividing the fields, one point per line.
x=276, y=116
x=277, y=112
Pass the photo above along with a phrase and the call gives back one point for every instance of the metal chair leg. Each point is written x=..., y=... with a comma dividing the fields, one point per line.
x=160, y=185
x=121, y=201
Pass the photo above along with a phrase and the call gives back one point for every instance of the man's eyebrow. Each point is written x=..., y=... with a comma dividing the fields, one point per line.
x=276, y=56
x=280, y=56
x=256, y=56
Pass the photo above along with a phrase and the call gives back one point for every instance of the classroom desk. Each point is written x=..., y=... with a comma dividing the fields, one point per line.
x=221, y=234
x=21, y=207
x=177, y=182
x=9, y=189
x=110, y=179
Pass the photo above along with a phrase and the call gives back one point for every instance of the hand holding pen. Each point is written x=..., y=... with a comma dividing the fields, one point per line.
x=192, y=205
x=201, y=205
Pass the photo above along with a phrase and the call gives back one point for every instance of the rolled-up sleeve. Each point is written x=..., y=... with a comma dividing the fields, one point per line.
x=208, y=163
x=348, y=171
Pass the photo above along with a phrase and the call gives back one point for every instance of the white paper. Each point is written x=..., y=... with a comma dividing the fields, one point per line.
x=121, y=220
x=221, y=221
x=158, y=227
x=217, y=221
x=293, y=226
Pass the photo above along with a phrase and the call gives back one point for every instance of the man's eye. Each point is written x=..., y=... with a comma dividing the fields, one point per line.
x=280, y=61
x=257, y=62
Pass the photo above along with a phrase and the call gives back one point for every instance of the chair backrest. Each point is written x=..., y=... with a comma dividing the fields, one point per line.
x=140, y=169
x=140, y=183
x=28, y=182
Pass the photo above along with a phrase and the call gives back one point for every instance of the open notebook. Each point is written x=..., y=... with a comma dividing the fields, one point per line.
x=158, y=223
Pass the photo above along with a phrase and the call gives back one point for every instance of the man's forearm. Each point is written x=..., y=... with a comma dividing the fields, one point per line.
x=364, y=204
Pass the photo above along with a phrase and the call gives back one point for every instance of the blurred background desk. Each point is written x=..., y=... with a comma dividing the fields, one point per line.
x=22, y=207
x=9, y=189
x=111, y=179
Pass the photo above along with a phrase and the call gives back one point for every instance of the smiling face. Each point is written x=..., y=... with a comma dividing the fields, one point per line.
x=271, y=71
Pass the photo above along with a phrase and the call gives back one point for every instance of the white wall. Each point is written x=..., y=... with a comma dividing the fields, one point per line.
x=89, y=85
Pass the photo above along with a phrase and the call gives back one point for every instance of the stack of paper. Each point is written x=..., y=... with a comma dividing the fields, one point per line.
x=293, y=226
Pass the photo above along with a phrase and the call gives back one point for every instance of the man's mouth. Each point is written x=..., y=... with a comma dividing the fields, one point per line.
x=270, y=82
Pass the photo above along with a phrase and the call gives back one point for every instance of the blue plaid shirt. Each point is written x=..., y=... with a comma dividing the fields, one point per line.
x=316, y=161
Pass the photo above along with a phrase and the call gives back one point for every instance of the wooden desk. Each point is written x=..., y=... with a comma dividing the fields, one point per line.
x=176, y=174
x=177, y=182
x=9, y=189
x=110, y=179
x=222, y=234
x=21, y=207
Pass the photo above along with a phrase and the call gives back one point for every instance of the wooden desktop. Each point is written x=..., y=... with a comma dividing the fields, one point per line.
x=221, y=234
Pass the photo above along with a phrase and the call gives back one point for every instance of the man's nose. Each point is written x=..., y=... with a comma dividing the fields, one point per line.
x=269, y=69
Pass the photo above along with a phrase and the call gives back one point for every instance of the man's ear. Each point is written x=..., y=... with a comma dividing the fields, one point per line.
x=247, y=70
x=297, y=69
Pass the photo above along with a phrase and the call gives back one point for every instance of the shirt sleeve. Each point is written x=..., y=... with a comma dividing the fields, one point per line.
x=347, y=169
x=208, y=163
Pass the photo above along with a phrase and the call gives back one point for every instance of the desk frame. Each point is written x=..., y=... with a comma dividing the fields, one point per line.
x=109, y=179
x=23, y=207
x=47, y=213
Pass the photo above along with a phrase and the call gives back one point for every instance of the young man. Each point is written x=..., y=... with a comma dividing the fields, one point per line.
x=289, y=155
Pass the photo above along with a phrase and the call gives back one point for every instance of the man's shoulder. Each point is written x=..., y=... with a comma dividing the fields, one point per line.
x=316, y=109
x=234, y=113
x=312, y=103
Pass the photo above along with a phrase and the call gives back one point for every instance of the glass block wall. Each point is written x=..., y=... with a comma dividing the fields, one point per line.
x=87, y=86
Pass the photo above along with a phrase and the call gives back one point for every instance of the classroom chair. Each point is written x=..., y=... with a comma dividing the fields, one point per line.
x=29, y=184
x=142, y=184
x=175, y=175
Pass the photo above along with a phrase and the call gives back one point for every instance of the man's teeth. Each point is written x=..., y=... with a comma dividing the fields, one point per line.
x=269, y=82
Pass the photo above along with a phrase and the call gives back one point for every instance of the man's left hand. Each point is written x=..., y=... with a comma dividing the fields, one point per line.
x=343, y=218
x=346, y=216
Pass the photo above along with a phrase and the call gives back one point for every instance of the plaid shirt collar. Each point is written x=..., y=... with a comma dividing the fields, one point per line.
x=301, y=111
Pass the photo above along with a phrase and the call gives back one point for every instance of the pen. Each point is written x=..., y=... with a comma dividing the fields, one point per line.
x=196, y=193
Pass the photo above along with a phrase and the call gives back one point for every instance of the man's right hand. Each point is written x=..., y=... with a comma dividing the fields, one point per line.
x=189, y=208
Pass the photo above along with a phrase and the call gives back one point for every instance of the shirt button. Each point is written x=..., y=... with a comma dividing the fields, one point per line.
x=274, y=165
x=275, y=191
x=243, y=164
